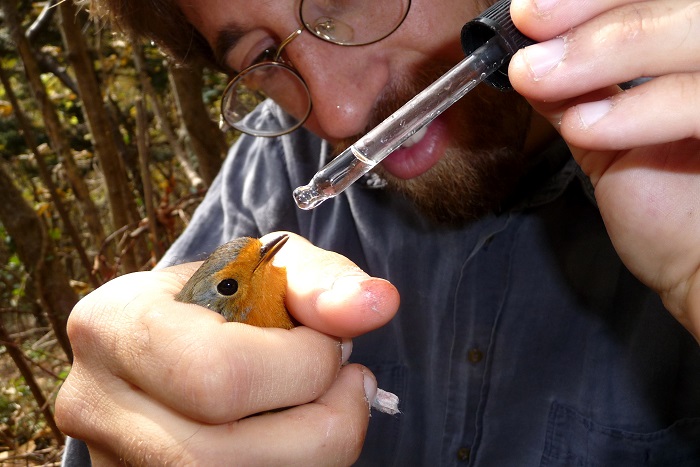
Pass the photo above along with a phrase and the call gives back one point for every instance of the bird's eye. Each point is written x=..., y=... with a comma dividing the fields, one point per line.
x=227, y=287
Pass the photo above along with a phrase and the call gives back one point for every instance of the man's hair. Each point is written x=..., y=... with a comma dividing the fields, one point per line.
x=160, y=21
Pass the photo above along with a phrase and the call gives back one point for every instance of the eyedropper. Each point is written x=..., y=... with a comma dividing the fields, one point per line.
x=488, y=41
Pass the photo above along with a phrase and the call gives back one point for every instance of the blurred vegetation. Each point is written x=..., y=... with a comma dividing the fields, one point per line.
x=106, y=148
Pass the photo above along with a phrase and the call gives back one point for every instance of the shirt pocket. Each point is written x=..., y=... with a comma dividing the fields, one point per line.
x=574, y=440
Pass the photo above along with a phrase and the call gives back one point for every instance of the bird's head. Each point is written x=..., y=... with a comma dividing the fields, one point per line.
x=239, y=281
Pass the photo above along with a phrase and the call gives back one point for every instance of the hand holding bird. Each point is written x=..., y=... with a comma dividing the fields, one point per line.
x=239, y=281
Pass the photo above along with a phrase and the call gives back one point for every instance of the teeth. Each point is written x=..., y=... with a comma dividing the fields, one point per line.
x=417, y=136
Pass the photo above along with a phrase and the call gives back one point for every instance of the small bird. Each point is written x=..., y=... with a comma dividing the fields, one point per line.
x=239, y=282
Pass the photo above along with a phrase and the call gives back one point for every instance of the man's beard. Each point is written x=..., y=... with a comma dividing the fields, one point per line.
x=483, y=162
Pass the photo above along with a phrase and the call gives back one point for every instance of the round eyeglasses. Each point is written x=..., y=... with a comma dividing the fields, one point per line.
x=341, y=22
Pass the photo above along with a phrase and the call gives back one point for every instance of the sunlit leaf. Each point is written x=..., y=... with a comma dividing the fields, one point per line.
x=42, y=208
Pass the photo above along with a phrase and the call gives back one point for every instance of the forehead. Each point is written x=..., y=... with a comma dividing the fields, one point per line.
x=223, y=23
x=211, y=16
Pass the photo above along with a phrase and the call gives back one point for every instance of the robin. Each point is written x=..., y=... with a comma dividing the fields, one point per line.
x=239, y=282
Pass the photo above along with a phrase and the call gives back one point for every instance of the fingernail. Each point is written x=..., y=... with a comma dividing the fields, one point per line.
x=345, y=350
x=370, y=387
x=591, y=112
x=544, y=57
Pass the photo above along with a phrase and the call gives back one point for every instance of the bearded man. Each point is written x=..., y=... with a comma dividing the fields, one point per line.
x=543, y=244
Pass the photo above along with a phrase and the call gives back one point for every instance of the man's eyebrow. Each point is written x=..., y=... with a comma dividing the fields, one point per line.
x=226, y=39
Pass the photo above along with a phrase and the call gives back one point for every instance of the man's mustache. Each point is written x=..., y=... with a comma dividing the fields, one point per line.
x=393, y=97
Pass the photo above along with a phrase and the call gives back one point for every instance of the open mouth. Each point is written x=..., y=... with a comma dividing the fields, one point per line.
x=419, y=153
x=417, y=137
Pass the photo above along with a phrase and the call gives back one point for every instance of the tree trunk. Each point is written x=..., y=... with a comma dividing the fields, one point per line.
x=52, y=122
x=121, y=201
x=46, y=62
x=39, y=258
x=46, y=177
x=148, y=198
x=195, y=179
x=206, y=139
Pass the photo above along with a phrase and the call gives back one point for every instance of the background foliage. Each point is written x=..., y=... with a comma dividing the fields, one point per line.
x=94, y=182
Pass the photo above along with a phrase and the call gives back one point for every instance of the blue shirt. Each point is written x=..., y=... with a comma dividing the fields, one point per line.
x=521, y=339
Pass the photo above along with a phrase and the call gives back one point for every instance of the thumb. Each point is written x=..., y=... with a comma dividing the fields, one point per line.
x=329, y=293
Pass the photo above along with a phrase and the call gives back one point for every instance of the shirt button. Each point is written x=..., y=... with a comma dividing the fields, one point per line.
x=475, y=355
x=463, y=454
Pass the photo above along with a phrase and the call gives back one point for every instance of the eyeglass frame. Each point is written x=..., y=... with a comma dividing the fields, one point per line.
x=279, y=61
x=276, y=61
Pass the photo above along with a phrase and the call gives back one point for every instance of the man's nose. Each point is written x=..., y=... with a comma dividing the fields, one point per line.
x=344, y=82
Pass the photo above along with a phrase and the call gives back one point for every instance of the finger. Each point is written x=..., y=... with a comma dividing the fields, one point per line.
x=636, y=40
x=190, y=359
x=544, y=19
x=329, y=431
x=329, y=293
x=141, y=431
x=660, y=111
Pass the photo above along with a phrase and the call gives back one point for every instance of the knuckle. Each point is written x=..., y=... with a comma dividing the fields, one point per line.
x=636, y=20
x=630, y=23
x=99, y=318
x=66, y=410
x=75, y=406
x=691, y=14
x=85, y=326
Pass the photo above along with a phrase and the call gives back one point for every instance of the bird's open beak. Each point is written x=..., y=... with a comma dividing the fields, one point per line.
x=269, y=249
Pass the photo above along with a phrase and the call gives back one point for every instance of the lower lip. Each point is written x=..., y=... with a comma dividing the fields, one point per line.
x=407, y=163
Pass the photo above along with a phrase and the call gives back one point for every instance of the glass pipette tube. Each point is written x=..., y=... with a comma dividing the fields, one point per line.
x=389, y=135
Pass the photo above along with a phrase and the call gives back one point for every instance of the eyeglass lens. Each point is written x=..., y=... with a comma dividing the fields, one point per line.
x=342, y=22
x=352, y=22
x=273, y=80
